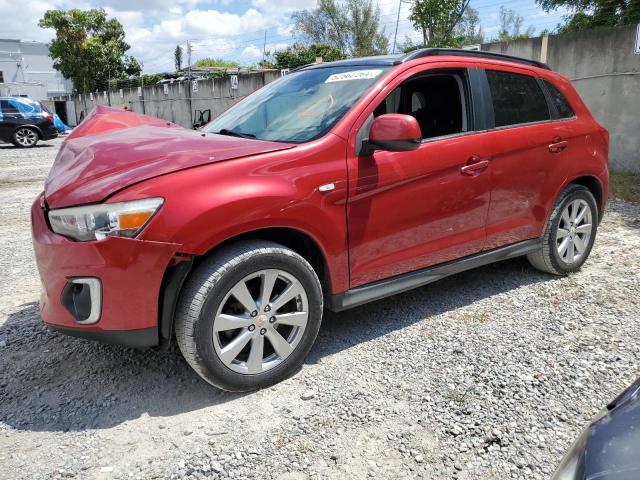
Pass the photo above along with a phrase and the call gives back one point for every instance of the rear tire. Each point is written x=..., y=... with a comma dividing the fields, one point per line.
x=569, y=233
x=248, y=315
x=25, y=137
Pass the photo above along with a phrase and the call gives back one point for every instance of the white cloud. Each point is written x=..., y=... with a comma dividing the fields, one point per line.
x=286, y=31
x=216, y=28
x=129, y=19
x=283, y=6
x=21, y=21
x=213, y=34
x=251, y=52
x=276, y=47
x=205, y=22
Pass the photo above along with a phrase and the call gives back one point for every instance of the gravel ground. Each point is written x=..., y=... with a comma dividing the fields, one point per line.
x=489, y=374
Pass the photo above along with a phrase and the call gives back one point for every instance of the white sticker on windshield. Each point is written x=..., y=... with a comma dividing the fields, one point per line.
x=355, y=75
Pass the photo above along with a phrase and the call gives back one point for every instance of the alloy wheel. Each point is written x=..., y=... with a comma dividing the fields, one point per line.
x=260, y=321
x=26, y=137
x=574, y=231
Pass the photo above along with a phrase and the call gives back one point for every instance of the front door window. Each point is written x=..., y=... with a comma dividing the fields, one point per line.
x=437, y=101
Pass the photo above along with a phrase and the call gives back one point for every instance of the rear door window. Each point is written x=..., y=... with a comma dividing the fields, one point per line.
x=517, y=99
x=7, y=107
x=559, y=101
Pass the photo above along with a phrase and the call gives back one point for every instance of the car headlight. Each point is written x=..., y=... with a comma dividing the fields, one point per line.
x=97, y=222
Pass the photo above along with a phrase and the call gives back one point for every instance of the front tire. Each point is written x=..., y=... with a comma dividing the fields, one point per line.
x=248, y=315
x=25, y=137
x=569, y=234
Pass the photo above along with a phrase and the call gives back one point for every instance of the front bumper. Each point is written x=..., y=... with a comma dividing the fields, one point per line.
x=130, y=273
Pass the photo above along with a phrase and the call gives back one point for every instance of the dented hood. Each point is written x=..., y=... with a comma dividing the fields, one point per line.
x=112, y=149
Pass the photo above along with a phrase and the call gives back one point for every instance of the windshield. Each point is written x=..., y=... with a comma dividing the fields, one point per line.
x=299, y=107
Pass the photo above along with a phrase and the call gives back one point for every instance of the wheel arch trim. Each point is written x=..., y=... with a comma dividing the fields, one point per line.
x=32, y=127
x=176, y=274
x=591, y=182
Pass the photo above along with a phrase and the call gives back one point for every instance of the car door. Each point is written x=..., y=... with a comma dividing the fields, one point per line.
x=411, y=210
x=7, y=120
x=527, y=150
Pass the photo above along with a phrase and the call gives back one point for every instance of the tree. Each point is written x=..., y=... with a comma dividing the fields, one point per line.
x=511, y=26
x=177, y=55
x=267, y=62
x=364, y=35
x=216, y=63
x=351, y=26
x=88, y=47
x=151, y=79
x=468, y=31
x=594, y=13
x=437, y=20
x=132, y=66
x=297, y=55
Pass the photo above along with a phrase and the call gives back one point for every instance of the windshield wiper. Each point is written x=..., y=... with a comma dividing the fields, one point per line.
x=231, y=133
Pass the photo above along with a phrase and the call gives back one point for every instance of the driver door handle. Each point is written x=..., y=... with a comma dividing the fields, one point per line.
x=474, y=167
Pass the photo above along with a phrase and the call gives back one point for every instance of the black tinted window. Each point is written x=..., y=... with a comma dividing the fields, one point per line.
x=560, y=101
x=6, y=107
x=516, y=99
x=437, y=101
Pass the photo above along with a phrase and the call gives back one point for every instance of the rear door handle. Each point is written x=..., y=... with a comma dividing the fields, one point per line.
x=558, y=147
x=474, y=168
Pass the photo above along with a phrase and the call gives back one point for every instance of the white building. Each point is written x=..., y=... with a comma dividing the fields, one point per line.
x=26, y=69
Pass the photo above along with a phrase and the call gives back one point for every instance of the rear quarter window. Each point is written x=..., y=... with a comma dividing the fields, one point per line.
x=562, y=105
x=516, y=98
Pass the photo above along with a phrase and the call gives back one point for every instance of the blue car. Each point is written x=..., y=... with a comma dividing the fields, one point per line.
x=24, y=122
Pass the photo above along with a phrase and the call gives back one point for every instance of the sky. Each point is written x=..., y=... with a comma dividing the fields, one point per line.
x=230, y=29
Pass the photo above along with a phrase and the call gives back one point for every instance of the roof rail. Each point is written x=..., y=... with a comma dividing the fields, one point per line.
x=458, y=52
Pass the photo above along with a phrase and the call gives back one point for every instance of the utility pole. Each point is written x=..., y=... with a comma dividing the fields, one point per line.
x=395, y=36
x=109, y=86
x=189, y=59
x=264, y=49
x=189, y=82
x=144, y=110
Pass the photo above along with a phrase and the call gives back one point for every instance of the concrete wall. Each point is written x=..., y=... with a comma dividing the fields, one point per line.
x=180, y=103
x=605, y=70
x=527, y=48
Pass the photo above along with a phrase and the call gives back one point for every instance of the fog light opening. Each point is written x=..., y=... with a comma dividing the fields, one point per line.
x=82, y=297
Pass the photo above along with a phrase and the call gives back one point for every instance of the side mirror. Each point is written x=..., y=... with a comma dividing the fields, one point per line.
x=394, y=132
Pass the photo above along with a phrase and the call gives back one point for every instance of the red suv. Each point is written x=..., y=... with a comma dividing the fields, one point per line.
x=338, y=184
